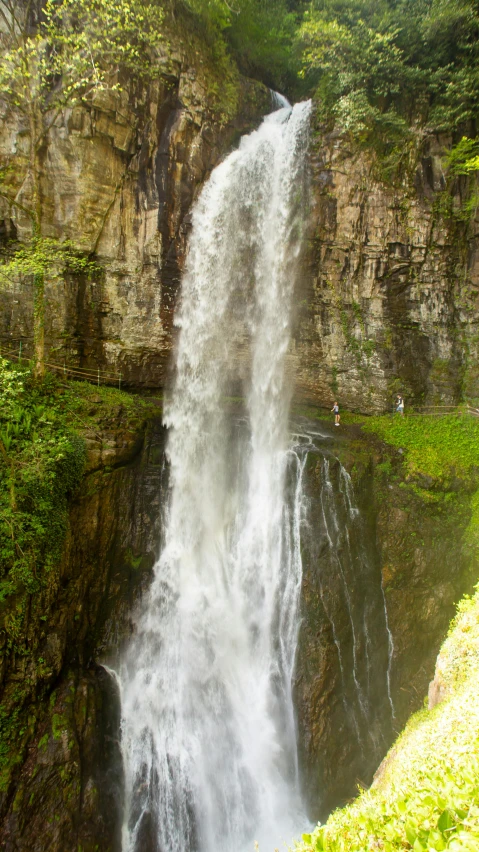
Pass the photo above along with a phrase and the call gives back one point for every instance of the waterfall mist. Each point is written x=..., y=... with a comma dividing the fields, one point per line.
x=208, y=732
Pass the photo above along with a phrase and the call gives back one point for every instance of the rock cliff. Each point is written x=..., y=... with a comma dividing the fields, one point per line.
x=119, y=175
x=389, y=295
x=391, y=300
x=63, y=789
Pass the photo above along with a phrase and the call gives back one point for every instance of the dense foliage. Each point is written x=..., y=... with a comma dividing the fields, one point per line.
x=372, y=64
x=388, y=72
x=386, y=64
x=41, y=462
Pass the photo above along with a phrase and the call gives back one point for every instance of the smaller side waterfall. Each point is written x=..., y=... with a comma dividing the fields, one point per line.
x=346, y=611
x=351, y=557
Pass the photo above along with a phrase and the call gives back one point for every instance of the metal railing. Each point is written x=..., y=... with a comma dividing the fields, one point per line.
x=93, y=376
x=441, y=410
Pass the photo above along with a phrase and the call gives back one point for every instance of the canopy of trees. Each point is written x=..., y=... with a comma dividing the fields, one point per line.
x=379, y=68
x=387, y=71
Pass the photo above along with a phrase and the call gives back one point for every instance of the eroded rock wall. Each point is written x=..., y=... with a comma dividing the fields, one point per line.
x=119, y=175
x=64, y=787
x=391, y=300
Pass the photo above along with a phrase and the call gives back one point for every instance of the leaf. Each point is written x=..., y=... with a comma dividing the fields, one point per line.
x=445, y=821
x=411, y=833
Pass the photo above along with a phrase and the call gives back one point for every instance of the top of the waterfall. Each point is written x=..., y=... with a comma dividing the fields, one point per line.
x=279, y=101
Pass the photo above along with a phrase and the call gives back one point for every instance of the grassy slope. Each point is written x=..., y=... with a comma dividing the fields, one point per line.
x=426, y=796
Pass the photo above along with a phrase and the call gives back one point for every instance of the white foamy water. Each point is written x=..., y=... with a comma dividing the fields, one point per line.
x=208, y=733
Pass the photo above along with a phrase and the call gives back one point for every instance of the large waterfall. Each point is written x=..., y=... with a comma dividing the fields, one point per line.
x=208, y=731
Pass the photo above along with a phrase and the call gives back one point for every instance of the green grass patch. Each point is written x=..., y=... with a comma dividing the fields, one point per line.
x=434, y=446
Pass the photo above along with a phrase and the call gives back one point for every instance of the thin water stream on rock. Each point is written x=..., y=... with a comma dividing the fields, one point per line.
x=208, y=732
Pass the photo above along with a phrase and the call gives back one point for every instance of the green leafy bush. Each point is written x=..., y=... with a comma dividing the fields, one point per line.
x=41, y=463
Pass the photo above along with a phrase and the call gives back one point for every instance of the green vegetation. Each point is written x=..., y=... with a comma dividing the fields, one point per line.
x=427, y=794
x=42, y=461
x=43, y=427
x=42, y=457
x=385, y=67
x=260, y=34
x=436, y=447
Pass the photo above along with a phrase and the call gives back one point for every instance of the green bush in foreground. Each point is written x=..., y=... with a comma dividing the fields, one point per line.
x=426, y=797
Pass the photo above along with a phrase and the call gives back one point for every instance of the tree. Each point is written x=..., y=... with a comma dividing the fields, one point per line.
x=377, y=64
x=55, y=56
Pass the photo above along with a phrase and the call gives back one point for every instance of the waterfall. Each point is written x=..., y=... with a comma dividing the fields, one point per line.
x=208, y=733
x=347, y=575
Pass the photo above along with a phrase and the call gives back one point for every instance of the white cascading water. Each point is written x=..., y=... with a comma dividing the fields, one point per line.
x=208, y=733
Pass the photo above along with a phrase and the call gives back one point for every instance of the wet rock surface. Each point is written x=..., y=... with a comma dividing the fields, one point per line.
x=401, y=556
x=66, y=790
x=119, y=177
x=69, y=794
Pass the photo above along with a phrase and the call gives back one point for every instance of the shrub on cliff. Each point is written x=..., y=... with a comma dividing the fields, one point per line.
x=41, y=463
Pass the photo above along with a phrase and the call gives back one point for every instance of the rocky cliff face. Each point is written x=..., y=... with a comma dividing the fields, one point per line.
x=119, y=177
x=389, y=297
x=391, y=301
x=64, y=786
x=383, y=568
x=388, y=300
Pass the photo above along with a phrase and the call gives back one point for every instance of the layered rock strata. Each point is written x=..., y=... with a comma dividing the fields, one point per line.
x=119, y=175
x=390, y=302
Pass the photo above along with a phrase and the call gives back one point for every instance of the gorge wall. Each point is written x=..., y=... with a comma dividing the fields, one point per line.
x=119, y=175
x=403, y=556
x=390, y=284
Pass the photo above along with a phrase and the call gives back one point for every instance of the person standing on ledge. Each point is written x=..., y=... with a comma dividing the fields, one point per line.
x=400, y=405
x=337, y=416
